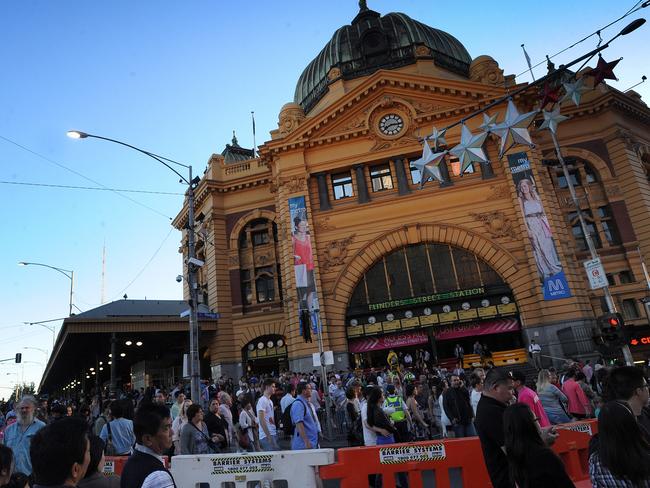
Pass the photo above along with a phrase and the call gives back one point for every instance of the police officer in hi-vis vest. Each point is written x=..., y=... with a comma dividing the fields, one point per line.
x=395, y=408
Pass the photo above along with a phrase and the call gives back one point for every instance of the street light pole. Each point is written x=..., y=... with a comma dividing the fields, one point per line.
x=64, y=272
x=192, y=263
x=52, y=329
x=611, y=306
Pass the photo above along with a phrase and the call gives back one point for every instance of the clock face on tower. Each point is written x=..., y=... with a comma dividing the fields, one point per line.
x=391, y=124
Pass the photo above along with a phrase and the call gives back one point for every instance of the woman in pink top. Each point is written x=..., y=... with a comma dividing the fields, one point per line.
x=579, y=406
x=529, y=397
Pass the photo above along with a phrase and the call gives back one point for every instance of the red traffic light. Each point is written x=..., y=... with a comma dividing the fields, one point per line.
x=613, y=322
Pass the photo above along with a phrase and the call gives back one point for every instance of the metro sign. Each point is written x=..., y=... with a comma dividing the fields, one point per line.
x=640, y=341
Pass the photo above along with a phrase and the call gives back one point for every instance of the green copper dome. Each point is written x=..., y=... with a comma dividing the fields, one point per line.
x=372, y=42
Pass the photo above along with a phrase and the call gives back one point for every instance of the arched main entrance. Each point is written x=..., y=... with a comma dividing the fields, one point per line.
x=430, y=297
x=265, y=354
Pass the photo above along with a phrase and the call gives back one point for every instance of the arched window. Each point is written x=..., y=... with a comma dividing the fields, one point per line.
x=259, y=271
x=421, y=270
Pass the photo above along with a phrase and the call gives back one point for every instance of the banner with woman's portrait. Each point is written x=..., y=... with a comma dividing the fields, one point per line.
x=303, y=266
x=550, y=270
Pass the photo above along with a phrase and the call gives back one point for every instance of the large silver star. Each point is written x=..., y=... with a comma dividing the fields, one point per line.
x=574, y=91
x=428, y=164
x=470, y=148
x=438, y=138
x=552, y=119
x=488, y=122
x=514, y=129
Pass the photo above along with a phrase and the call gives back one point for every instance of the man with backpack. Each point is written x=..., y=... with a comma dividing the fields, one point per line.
x=303, y=418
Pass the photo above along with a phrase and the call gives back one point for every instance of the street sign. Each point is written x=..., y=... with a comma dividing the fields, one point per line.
x=209, y=315
x=326, y=359
x=595, y=273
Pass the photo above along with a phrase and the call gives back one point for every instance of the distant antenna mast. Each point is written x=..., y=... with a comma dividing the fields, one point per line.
x=103, y=297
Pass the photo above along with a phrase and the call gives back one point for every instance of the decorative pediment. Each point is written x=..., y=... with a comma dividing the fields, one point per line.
x=355, y=114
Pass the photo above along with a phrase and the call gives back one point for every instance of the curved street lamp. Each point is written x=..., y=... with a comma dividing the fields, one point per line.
x=192, y=263
x=68, y=273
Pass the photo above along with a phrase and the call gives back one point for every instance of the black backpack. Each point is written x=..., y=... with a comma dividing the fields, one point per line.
x=287, y=424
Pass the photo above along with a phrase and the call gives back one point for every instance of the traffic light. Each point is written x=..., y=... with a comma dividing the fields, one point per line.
x=19, y=357
x=611, y=327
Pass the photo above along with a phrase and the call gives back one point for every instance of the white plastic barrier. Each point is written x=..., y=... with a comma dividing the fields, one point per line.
x=295, y=468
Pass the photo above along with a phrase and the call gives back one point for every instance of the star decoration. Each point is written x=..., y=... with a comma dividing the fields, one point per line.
x=603, y=70
x=470, y=148
x=488, y=122
x=438, y=138
x=552, y=119
x=574, y=91
x=549, y=95
x=514, y=129
x=428, y=164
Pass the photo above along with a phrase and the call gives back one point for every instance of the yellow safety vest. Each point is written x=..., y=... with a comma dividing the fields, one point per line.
x=396, y=402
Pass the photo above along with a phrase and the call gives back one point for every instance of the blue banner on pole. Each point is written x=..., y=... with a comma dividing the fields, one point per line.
x=540, y=236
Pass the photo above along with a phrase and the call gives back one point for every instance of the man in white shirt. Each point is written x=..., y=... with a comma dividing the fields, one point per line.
x=535, y=351
x=408, y=360
x=288, y=398
x=267, y=430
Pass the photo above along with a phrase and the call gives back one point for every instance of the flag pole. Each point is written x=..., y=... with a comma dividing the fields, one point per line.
x=530, y=68
x=254, y=147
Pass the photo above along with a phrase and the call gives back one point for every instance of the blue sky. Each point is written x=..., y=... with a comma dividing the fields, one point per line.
x=177, y=78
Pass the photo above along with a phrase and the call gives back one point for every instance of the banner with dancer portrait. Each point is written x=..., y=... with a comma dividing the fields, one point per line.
x=550, y=270
x=303, y=268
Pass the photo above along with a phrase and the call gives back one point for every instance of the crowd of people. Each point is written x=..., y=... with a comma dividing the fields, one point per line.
x=515, y=420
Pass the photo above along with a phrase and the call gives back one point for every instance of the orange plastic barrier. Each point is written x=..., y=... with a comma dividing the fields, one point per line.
x=115, y=464
x=572, y=446
x=355, y=464
x=458, y=459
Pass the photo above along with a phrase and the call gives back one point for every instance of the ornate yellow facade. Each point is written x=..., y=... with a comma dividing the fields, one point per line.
x=249, y=279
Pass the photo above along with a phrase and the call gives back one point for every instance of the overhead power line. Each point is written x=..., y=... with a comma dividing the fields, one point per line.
x=637, y=6
x=51, y=161
x=73, y=187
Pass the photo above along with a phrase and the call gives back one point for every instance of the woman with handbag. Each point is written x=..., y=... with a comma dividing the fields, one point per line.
x=194, y=435
x=248, y=424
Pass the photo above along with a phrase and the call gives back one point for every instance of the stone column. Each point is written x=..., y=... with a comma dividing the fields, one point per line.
x=486, y=170
x=323, y=193
x=444, y=172
x=362, y=188
x=402, y=178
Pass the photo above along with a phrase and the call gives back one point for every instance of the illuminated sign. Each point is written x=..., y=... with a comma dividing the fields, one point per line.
x=640, y=341
x=437, y=297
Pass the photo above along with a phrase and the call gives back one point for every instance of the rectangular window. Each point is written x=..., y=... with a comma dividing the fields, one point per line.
x=376, y=281
x=578, y=235
x=610, y=279
x=265, y=284
x=342, y=185
x=466, y=269
x=609, y=225
x=575, y=179
x=416, y=174
x=454, y=164
x=626, y=277
x=260, y=237
x=398, y=278
x=419, y=269
x=380, y=178
x=246, y=288
x=442, y=267
x=629, y=309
